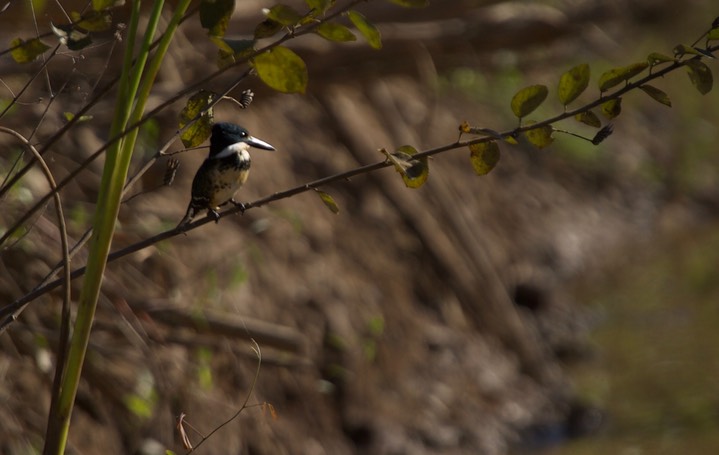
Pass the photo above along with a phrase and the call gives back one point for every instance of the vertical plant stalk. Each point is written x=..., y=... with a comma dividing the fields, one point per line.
x=58, y=425
x=134, y=89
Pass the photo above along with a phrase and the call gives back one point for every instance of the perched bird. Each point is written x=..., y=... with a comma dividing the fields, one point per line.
x=224, y=171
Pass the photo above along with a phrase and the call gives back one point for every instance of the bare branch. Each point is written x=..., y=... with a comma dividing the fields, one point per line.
x=40, y=290
x=62, y=227
x=306, y=29
x=256, y=349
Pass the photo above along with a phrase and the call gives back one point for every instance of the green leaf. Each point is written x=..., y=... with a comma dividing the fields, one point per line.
x=319, y=6
x=367, y=29
x=484, y=156
x=414, y=171
x=333, y=31
x=27, y=51
x=656, y=58
x=540, y=137
x=198, y=132
x=140, y=406
x=230, y=50
x=376, y=326
x=237, y=47
x=328, y=201
x=616, y=76
x=71, y=37
x=573, y=83
x=657, y=94
x=204, y=368
x=416, y=175
x=215, y=15
x=96, y=21
x=528, y=99
x=411, y=3
x=700, y=75
x=682, y=49
x=282, y=70
x=713, y=34
x=283, y=14
x=612, y=108
x=83, y=118
x=588, y=118
x=267, y=28
x=99, y=5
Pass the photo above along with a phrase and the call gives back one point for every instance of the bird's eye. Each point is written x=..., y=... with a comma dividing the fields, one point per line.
x=243, y=134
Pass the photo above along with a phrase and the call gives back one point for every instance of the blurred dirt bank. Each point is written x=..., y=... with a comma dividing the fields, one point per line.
x=435, y=320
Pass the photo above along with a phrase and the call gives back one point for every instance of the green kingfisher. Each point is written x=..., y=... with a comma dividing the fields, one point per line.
x=224, y=170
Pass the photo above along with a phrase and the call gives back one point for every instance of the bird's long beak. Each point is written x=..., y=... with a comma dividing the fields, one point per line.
x=260, y=144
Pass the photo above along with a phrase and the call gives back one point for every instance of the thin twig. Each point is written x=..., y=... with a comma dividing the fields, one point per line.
x=132, y=180
x=28, y=83
x=53, y=97
x=293, y=34
x=62, y=227
x=40, y=290
x=44, y=288
x=256, y=349
x=55, y=137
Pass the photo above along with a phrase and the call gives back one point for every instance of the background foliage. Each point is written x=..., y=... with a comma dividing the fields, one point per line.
x=377, y=323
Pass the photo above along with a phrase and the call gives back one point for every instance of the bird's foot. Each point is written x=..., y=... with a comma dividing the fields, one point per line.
x=214, y=215
x=240, y=205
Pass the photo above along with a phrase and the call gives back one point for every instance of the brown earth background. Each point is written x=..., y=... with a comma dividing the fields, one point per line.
x=438, y=320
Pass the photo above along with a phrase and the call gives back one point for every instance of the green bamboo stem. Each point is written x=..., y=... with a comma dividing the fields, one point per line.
x=134, y=89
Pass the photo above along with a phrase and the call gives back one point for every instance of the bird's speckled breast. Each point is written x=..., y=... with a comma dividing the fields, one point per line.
x=231, y=174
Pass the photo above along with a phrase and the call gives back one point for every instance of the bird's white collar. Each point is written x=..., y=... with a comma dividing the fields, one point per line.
x=231, y=150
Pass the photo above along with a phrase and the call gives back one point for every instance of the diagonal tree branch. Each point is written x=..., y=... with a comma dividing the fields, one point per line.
x=10, y=312
x=306, y=29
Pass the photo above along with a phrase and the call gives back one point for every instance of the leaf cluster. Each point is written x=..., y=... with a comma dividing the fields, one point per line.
x=285, y=71
x=280, y=67
x=574, y=82
x=276, y=65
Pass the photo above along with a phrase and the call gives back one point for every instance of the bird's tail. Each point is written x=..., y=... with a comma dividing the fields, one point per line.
x=189, y=215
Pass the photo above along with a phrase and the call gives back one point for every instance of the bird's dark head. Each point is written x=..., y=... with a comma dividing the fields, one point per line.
x=226, y=134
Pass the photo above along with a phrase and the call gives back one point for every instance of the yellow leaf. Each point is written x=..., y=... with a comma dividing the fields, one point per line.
x=328, y=201
x=612, y=108
x=588, y=118
x=282, y=70
x=196, y=106
x=367, y=29
x=414, y=171
x=573, y=83
x=528, y=99
x=484, y=156
x=540, y=137
x=283, y=14
x=657, y=94
x=616, y=76
x=333, y=31
x=27, y=51
x=700, y=75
